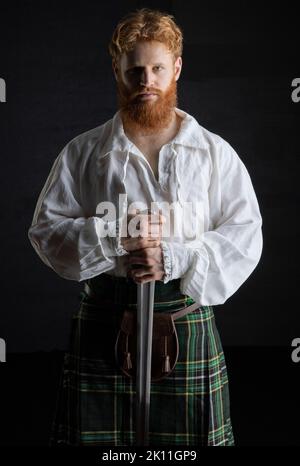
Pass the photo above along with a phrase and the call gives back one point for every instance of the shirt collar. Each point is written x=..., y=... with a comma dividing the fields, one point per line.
x=190, y=133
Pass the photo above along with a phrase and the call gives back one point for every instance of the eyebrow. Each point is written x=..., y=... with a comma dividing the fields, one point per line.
x=139, y=66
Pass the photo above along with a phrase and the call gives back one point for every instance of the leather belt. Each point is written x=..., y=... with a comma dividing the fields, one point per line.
x=175, y=315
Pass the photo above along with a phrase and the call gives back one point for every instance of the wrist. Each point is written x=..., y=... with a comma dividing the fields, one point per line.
x=177, y=259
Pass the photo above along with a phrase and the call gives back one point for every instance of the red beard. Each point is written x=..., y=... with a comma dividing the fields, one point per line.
x=147, y=117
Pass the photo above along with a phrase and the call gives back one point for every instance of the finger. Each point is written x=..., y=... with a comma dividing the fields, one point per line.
x=150, y=216
x=149, y=276
x=132, y=247
x=141, y=269
x=146, y=261
x=156, y=218
x=135, y=244
x=153, y=230
x=135, y=211
x=144, y=226
x=162, y=218
x=145, y=278
x=138, y=226
x=146, y=243
x=141, y=272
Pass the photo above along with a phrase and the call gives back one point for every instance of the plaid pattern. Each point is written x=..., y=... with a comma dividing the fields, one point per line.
x=96, y=402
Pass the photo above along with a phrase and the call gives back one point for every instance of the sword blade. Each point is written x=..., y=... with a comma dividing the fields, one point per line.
x=145, y=302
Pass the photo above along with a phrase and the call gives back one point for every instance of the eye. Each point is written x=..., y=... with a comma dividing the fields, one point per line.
x=158, y=67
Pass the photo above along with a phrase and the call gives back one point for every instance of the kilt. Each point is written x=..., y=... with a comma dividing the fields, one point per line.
x=96, y=402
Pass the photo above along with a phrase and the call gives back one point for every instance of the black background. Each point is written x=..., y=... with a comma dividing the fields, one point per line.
x=239, y=60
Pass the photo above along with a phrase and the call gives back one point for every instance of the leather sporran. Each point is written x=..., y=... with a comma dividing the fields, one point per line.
x=165, y=347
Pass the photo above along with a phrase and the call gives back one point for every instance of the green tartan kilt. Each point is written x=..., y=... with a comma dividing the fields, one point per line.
x=96, y=402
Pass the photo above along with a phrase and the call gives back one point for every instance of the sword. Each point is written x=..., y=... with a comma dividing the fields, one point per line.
x=145, y=301
x=144, y=322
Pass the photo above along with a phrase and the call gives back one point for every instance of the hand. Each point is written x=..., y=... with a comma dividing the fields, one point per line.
x=145, y=250
x=150, y=261
x=144, y=231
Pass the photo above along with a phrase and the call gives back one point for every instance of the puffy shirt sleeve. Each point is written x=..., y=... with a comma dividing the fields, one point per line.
x=63, y=236
x=222, y=259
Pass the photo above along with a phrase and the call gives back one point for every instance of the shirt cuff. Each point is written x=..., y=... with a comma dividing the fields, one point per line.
x=177, y=260
x=111, y=240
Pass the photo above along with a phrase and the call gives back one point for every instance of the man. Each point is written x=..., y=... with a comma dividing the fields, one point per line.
x=150, y=152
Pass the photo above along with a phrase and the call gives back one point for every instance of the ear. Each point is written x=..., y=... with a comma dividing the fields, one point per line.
x=177, y=67
x=115, y=69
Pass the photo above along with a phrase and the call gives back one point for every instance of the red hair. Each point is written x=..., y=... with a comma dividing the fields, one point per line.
x=145, y=24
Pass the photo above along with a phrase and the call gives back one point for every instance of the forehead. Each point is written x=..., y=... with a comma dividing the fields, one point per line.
x=147, y=53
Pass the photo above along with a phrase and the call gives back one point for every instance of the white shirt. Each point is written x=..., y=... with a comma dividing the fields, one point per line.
x=195, y=166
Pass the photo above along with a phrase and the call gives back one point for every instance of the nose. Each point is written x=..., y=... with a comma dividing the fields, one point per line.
x=147, y=78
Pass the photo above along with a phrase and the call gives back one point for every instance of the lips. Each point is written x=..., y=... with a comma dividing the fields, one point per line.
x=146, y=96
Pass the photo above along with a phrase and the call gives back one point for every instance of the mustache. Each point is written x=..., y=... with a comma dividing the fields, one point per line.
x=144, y=91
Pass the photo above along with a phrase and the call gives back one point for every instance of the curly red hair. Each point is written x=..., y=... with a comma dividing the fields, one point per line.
x=146, y=24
